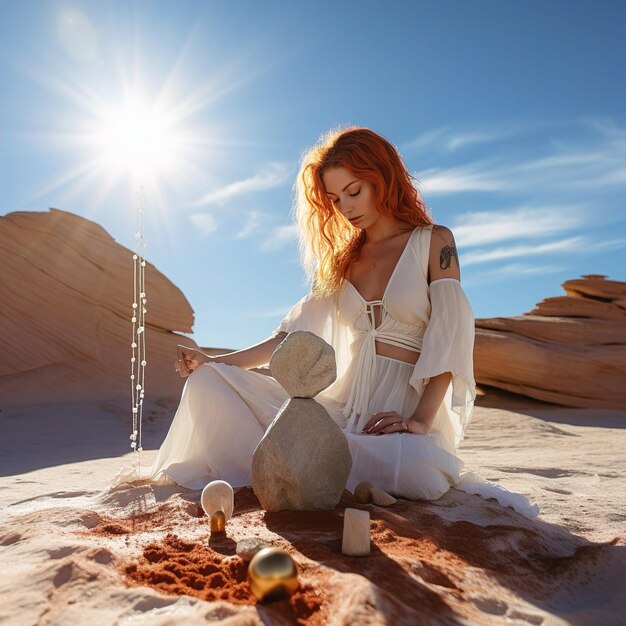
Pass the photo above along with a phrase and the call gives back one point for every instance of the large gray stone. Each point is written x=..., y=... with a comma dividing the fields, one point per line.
x=303, y=461
x=304, y=364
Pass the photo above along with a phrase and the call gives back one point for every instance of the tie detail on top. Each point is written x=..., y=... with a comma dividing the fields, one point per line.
x=366, y=334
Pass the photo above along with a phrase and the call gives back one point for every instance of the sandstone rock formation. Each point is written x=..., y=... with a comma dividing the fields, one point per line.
x=66, y=294
x=569, y=350
x=303, y=461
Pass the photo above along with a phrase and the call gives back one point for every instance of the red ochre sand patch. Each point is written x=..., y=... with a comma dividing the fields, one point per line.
x=420, y=561
x=207, y=568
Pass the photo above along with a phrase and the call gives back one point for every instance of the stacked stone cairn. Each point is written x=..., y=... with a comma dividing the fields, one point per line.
x=303, y=461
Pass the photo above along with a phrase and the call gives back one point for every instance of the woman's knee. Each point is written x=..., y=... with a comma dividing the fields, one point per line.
x=203, y=374
x=426, y=483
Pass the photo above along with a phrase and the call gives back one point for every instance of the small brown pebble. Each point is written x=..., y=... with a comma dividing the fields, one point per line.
x=247, y=548
x=382, y=498
x=363, y=493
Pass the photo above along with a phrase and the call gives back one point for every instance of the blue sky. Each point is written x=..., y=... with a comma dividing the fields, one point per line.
x=510, y=114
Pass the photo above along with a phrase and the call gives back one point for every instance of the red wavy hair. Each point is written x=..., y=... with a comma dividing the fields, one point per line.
x=328, y=241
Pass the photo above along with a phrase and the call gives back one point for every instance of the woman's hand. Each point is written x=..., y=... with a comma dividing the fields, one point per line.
x=391, y=422
x=188, y=359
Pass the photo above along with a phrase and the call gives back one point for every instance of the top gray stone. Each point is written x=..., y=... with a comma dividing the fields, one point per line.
x=304, y=364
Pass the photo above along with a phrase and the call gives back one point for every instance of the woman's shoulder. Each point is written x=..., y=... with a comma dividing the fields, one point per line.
x=433, y=232
x=442, y=232
x=443, y=261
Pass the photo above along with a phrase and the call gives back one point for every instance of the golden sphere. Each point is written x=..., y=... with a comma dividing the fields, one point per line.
x=363, y=493
x=272, y=574
x=218, y=522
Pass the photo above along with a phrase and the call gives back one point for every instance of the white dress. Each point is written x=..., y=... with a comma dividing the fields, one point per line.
x=225, y=410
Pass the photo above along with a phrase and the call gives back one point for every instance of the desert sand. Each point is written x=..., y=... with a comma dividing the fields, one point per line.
x=75, y=551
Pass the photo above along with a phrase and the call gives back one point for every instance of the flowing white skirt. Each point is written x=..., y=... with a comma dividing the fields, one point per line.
x=224, y=412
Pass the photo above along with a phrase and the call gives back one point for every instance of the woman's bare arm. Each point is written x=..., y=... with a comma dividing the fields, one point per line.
x=443, y=262
x=188, y=359
x=251, y=357
x=429, y=403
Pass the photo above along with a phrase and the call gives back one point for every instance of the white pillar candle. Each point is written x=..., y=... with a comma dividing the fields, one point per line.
x=218, y=496
x=356, y=533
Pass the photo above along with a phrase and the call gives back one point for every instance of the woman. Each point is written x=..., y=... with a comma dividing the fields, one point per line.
x=386, y=295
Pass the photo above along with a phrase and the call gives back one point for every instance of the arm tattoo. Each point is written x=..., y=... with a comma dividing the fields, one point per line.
x=445, y=256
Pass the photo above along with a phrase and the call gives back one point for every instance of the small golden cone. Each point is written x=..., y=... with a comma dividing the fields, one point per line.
x=218, y=522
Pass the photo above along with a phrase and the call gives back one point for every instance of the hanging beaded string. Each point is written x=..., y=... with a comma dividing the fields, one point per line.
x=138, y=345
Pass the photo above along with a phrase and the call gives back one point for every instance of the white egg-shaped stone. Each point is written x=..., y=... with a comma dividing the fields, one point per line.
x=218, y=495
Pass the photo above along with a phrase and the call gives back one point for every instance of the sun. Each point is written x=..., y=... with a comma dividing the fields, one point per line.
x=128, y=124
x=137, y=139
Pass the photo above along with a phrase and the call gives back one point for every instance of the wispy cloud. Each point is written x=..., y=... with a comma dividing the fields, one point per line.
x=607, y=128
x=475, y=177
x=468, y=139
x=443, y=139
x=272, y=175
x=279, y=237
x=580, y=170
x=513, y=270
x=483, y=227
x=446, y=139
x=425, y=140
x=593, y=169
x=204, y=222
x=580, y=165
x=606, y=246
x=254, y=219
x=485, y=256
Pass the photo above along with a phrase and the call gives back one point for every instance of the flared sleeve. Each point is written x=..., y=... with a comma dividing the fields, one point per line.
x=311, y=313
x=319, y=315
x=448, y=346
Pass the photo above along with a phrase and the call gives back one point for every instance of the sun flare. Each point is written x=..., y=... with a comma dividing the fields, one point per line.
x=141, y=140
x=128, y=127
